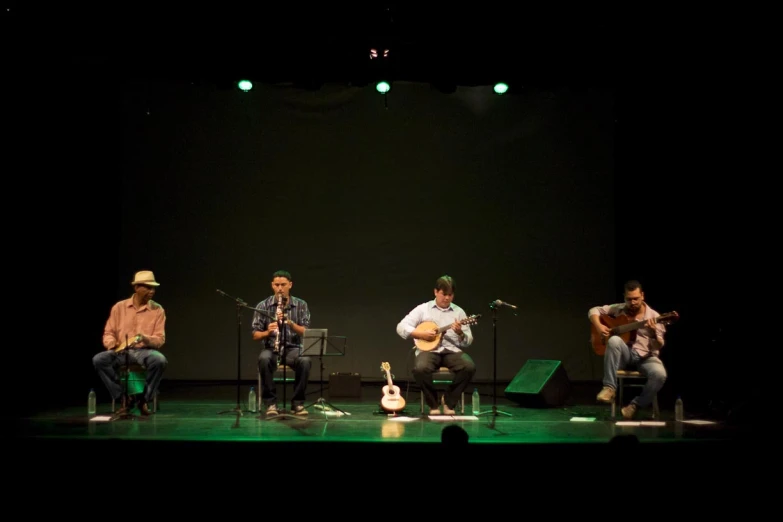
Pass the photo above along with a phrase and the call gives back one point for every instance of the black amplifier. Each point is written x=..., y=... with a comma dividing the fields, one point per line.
x=345, y=385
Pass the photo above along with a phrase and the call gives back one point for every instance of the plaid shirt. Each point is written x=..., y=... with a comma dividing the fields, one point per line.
x=296, y=310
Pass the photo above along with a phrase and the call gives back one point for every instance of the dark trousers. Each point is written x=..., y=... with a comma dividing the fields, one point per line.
x=267, y=365
x=107, y=364
x=458, y=362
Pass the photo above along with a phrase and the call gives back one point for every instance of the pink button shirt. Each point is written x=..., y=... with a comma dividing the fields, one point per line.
x=127, y=320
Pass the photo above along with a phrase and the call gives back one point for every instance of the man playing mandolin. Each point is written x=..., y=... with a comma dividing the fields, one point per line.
x=638, y=349
x=441, y=331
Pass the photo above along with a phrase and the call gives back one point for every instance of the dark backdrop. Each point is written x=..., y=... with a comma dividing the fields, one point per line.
x=548, y=198
x=366, y=205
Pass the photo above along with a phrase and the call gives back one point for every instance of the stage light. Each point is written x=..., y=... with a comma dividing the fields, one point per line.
x=500, y=88
x=383, y=87
x=245, y=85
x=375, y=53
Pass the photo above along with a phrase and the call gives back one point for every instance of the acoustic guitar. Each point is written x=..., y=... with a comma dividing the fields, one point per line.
x=391, y=401
x=625, y=327
x=428, y=326
x=130, y=343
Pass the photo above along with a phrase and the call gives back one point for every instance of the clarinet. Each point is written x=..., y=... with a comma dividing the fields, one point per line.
x=279, y=310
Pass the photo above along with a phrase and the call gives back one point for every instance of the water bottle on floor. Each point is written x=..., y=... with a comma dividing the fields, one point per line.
x=91, y=402
x=678, y=409
x=476, y=401
x=251, y=399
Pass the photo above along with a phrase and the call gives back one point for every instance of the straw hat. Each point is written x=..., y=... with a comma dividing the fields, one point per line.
x=145, y=277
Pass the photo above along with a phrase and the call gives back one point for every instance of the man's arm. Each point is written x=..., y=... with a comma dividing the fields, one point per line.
x=303, y=316
x=595, y=313
x=409, y=323
x=111, y=329
x=157, y=338
x=260, y=324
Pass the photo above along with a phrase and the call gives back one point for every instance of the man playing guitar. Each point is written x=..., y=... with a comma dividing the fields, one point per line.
x=642, y=353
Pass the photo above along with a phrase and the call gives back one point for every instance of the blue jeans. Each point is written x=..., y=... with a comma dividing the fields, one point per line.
x=267, y=364
x=107, y=363
x=619, y=356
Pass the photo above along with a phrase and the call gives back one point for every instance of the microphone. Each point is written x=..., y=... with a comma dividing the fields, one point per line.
x=498, y=302
x=238, y=300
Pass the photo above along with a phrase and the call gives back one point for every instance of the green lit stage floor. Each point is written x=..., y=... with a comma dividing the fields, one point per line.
x=207, y=413
x=196, y=431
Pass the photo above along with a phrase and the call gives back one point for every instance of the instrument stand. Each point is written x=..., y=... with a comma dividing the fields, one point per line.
x=494, y=412
x=321, y=403
x=240, y=304
x=125, y=413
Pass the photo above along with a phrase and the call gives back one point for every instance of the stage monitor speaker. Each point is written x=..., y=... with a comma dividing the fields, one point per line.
x=540, y=384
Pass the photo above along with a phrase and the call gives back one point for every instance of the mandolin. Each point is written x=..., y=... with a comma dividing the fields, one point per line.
x=391, y=401
x=428, y=326
x=625, y=327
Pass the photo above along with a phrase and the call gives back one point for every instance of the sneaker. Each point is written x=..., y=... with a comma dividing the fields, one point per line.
x=605, y=395
x=299, y=410
x=434, y=411
x=448, y=411
x=271, y=409
x=629, y=411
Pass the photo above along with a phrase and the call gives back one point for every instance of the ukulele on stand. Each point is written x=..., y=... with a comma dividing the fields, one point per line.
x=391, y=401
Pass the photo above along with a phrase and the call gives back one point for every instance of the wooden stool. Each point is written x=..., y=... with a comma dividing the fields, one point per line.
x=442, y=378
x=136, y=375
x=283, y=373
x=634, y=377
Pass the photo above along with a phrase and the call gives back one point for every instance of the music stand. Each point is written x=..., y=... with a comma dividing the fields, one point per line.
x=317, y=338
x=494, y=412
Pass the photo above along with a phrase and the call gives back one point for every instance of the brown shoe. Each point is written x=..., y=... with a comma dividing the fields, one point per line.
x=605, y=395
x=448, y=411
x=629, y=411
x=434, y=411
x=143, y=408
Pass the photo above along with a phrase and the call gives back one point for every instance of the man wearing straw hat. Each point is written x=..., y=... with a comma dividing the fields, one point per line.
x=136, y=325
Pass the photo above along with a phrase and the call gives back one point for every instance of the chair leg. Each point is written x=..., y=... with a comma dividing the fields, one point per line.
x=656, y=411
x=619, y=390
x=258, y=394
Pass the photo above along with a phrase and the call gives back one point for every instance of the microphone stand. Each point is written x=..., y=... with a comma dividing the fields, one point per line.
x=240, y=304
x=124, y=413
x=494, y=412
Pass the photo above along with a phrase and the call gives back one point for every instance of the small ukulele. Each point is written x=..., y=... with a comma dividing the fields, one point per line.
x=391, y=401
